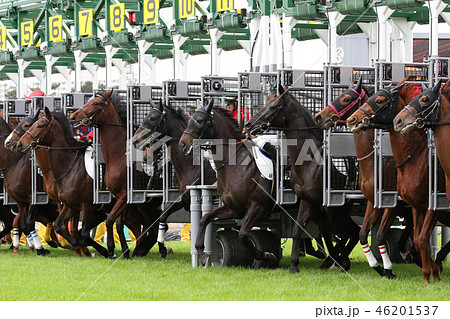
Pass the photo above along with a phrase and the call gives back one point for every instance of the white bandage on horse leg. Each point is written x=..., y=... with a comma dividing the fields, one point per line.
x=36, y=240
x=369, y=255
x=387, y=264
x=30, y=241
x=16, y=239
x=161, y=231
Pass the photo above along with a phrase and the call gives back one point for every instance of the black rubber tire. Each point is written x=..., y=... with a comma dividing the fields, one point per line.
x=231, y=252
x=266, y=241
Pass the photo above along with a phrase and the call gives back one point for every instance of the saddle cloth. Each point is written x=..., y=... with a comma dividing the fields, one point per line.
x=89, y=161
x=263, y=161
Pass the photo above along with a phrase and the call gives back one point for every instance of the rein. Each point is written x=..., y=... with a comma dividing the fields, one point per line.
x=409, y=157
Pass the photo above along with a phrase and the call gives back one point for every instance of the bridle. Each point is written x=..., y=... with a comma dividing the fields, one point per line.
x=162, y=119
x=336, y=118
x=193, y=125
x=423, y=114
x=88, y=120
x=367, y=121
x=37, y=140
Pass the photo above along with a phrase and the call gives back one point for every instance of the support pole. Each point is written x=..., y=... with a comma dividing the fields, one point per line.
x=121, y=66
x=143, y=46
x=334, y=18
x=93, y=70
x=49, y=61
x=66, y=73
x=436, y=7
x=22, y=65
x=39, y=75
x=215, y=35
x=109, y=51
x=207, y=207
x=255, y=57
x=264, y=35
x=276, y=43
x=196, y=213
x=288, y=42
x=151, y=63
x=383, y=14
x=406, y=28
x=79, y=56
x=178, y=56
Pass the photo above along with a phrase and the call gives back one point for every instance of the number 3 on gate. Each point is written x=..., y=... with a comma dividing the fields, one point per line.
x=26, y=32
x=117, y=16
x=85, y=18
x=55, y=24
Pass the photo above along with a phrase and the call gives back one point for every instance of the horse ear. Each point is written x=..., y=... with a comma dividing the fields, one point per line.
x=437, y=87
x=109, y=94
x=152, y=104
x=397, y=89
x=280, y=88
x=209, y=106
x=424, y=87
x=47, y=113
x=161, y=106
x=358, y=85
x=36, y=115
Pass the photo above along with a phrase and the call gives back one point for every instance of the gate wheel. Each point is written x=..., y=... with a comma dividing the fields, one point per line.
x=266, y=241
x=230, y=250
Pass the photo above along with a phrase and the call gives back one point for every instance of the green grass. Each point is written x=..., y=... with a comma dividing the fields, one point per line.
x=62, y=276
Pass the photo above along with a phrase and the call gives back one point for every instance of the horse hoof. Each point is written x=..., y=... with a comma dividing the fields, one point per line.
x=93, y=255
x=440, y=266
x=294, y=270
x=269, y=257
x=327, y=264
x=345, y=265
x=112, y=256
x=379, y=270
x=32, y=250
x=169, y=250
x=15, y=250
x=52, y=244
x=43, y=252
x=203, y=259
x=127, y=257
x=388, y=274
x=163, y=252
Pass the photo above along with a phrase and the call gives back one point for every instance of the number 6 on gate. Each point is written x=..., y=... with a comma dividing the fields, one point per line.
x=55, y=25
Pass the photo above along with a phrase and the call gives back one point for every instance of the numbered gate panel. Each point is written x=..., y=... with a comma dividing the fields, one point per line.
x=182, y=94
x=306, y=86
x=436, y=178
x=439, y=69
x=341, y=169
x=14, y=111
x=385, y=172
x=143, y=180
x=222, y=89
x=255, y=90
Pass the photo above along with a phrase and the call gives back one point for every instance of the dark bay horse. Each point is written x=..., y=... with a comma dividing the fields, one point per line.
x=51, y=133
x=107, y=112
x=16, y=170
x=50, y=186
x=430, y=109
x=286, y=114
x=411, y=155
x=162, y=122
x=338, y=111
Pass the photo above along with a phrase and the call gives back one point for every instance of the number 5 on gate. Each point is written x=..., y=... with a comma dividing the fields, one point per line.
x=85, y=18
x=55, y=24
x=26, y=32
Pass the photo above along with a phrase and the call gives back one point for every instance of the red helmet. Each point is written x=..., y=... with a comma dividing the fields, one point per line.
x=35, y=93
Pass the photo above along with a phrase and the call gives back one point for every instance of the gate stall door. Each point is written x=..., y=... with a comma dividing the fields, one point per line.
x=14, y=111
x=2, y=192
x=144, y=180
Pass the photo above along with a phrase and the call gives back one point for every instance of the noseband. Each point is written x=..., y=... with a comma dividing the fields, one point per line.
x=367, y=121
x=423, y=114
x=87, y=121
x=336, y=118
x=162, y=118
x=37, y=140
x=193, y=126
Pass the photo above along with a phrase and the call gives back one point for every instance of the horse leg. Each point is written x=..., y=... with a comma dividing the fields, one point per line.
x=223, y=212
x=123, y=242
x=90, y=220
x=370, y=217
x=76, y=234
x=30, y=224
x=386, y=222
x=16, y=234
x=118, y=209
x=303, y=216
x=424, y=242
x=440, y=255
x=352, y=230
x=418, y=219
x=162, y=228
x=59, y=226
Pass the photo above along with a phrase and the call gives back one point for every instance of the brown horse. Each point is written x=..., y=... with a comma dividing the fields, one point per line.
x=48, y=178
x=430, y=109
x=411, y=155
x=16, y=170
x=107, y=112
x=286, y=114
x=338, y=111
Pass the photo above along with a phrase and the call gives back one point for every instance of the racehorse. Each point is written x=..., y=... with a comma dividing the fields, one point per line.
x=107, y=113
x=411, y=155
x=430, y=109
x=338, y=111
x=16, y=170
x=284, y=113
x=159, y=123
x=48, y=178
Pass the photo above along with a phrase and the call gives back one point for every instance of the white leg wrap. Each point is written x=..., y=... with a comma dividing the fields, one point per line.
x=16, y=239
x=369, y=255
x=30, y=241
x=36, y=240
x=161, y=229
x=387, y=264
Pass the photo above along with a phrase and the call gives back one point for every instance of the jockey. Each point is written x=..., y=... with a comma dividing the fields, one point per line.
x=35, y=93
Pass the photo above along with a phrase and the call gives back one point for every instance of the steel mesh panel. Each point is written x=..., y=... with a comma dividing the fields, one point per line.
x=157, y=93
x=252, y=102
x=314, y=78
x=367, y=76
x=194, y=90
x=310, y=98
x=140, y=110
x=189, y=106
x=346, y=173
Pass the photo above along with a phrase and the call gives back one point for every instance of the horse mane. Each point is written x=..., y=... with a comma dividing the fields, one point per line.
x=228, y=116
x=66, y=128
x=120, y=106
x=6, y=126
x=445, y=90
x=178, y=112
x=409, y=91
x=306, y=115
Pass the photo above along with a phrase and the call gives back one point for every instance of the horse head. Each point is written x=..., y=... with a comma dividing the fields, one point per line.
x=23, y=126
x=36, y=133
x=153, y=126
x=419, y=110
x=342, y=107
x=93, y=110
x=199, y=126
x=378, y=107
